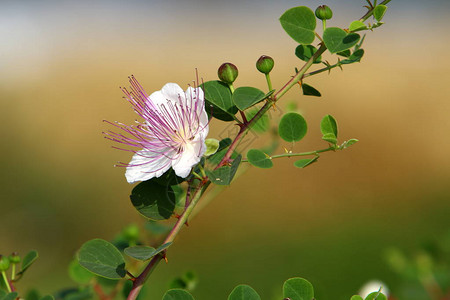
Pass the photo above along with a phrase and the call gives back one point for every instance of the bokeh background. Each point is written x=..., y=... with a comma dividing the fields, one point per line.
x=61, y=63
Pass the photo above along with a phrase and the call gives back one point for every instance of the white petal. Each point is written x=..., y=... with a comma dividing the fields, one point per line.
x=143, y=168
x=190, y=156
x=173, y=92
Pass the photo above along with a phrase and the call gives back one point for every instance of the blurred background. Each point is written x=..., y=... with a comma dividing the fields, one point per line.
x=61, y=63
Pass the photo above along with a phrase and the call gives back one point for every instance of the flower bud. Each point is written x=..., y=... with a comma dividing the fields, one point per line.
x=14, y=258
x=265, y=64
x=4, y=263
x=323, y=12
x=227, y=73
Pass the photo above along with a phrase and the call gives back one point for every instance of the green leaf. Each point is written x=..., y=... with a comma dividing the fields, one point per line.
x=356, y=26
x=310, y=91
x=305, y=52
x=338, y=40
x=145, y=252
x=303, y=163
x=328, y=125
x=102, y=258
x=376, y=296
x=245, y=97
x=355, y=57
x=8, y=296
x=298, y=289
x=356, y=297
x=329, y=137
x=177, y=294
x=218, y=100
x=348, y=143
x=156, y=227
x=300, y=23
x=292, y=127
x=379, y=12
x=224, y=175
x=47, y=297
x=153, y=200
x=211, y=146
x=243, y=292
x=28, y=260
x=345, y=53
x=79, y=274
x=263, y=123
x=259, y=159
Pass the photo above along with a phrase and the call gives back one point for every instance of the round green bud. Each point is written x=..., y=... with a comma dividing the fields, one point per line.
x=227, y=73
x=14, y=258
x=323, y=12
x=4, y=263
x=265, y=64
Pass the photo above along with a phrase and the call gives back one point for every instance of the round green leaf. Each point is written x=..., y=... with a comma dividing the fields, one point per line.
x=379, y=12
x=244, y=292
x=300, y=23
x=102, y=258
x=211, y=146
x=356, y=26
x=298, y=289
x=245, y=97
x=153, y=200
x=305, y=52
x=303, y=163
x=355, y=57
x=292, y=127
x=218, y=100
x=310, y=91
x=259, y=159
x=356, y=297
x=79, y=274
x=263, y=123
x=177, y=294
x=338, y=40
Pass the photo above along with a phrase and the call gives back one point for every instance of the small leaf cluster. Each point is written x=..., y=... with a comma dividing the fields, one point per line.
x=294, y=289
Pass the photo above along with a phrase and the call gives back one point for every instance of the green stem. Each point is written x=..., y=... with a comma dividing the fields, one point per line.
x=142, y=278
x=8, y=287
x=197, y=176
x=324, y=25
x=269, y=82
x=13, y=272
x=322, y=70
x=316, y=152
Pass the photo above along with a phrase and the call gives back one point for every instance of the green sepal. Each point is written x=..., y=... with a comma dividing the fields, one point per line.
x=259, y=159
x=102, y=258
